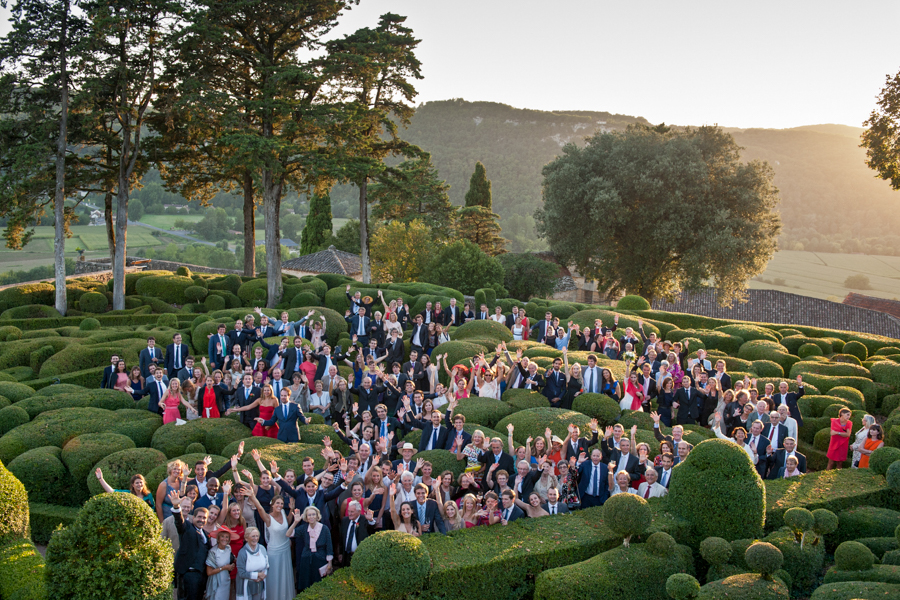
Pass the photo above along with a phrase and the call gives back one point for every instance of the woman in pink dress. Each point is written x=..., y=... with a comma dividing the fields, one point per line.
x=172, y=400
x=840, y=439
x=121, y=376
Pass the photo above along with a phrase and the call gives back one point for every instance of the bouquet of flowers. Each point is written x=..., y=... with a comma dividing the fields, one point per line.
x=628, y=357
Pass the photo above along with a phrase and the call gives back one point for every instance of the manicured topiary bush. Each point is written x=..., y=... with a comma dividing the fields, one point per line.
x=173, y=440
x=195, y=448
x=632, y=303
x=214, y=302
x=15, y=391
x=43, y=474
x=750, y=332
x=681, y=586
x=715, y=550
x=627, y=515
x=11, y=417
x=893, y=476
x=13, y=507
x=716, y=340
x=195, y=293
x=483, y=410
x=305, y=299
x=409, y=559
x=598, y=406
x=522, y=399
x=119, y=467
x=168, y=288
x=83, y=452
x=441, y=461
x=809, y=350
x=802, y=564
x=767, y=350
x=93, y=302
x=21, y=571
x=115, y=545
x=766, y=368
x=853, y=556
x=534, y=421
x=45, y=518
x=31, y=311
x=108, y=399
x=856, y=590
x=716, y=478
x=483, y=329
x=856, y=349
x=764, y=558
x=864, y=522
x=747, y=586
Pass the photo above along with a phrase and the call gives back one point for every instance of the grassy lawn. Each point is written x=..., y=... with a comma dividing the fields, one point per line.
x=168, y=221
x=822, y=275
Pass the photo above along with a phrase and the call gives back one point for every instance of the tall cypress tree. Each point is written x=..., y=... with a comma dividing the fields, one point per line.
x=318, y=226
x=477, y=222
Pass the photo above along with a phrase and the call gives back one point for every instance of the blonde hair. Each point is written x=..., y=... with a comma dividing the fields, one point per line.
x=248, y=531
x=457, y=522
x=176, y=463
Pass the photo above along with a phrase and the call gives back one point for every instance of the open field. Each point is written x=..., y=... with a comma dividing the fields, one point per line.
x=167, y=221
x=822, y=275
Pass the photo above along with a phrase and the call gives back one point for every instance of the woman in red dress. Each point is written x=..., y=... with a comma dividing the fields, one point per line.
x=267, y=404
x=211, y=405
x=840, y=439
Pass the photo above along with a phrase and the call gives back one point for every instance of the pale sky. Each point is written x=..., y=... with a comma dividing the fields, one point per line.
x=774, y=64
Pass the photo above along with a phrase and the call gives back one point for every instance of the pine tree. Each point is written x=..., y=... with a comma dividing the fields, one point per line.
x=476, y=221
x=414, y=191
x=318, y=224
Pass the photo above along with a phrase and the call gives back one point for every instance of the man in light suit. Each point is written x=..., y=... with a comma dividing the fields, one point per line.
x=553, y=505
x=784, y=416
x=176, y=353
x=428, y=512
x=359, y=326
x=593, y=480
x=775, y=431
x=510, y=511
x=108, y=379
x=778, y=459
x=286, y=415
x=150, y=355
x=651, y=488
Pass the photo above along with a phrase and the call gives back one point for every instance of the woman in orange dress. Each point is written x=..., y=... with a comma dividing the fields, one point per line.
x=874, y=441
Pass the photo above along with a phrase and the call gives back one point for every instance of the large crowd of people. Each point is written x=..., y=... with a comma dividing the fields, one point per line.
x=276, y=536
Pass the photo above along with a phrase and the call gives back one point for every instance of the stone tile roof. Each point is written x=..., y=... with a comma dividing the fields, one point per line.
x=331, y=260
x=773, y=306
x=891, y=307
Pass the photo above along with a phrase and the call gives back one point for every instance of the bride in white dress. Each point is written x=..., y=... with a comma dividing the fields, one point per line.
x=280, y=579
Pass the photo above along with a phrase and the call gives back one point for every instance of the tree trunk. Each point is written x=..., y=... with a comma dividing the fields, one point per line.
x=364, y=230
x=121, y=232
x=110, y=231
x=59, y=200
x=249, y=227
x=271, y=207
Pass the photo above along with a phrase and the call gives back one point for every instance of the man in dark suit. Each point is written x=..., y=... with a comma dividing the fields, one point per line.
x=372, y=350
x=218, y=348
x=427, y=314
x=542, y=327
x=156, y=389
x=241, y=336
x=531, y=379
x=647, y=381
x=293, y=357
x=376, y=330
x=452, y=315
x=428, y=512
x=593, y=480
x=790, y=398
x=194, y=545
x=108, y=379
x=778, y=458
x=418, y=336
x=458, y=437
x=325, y=359
x=354, y=529
x=394, y=348
x=497, y=455
x=359, y=326
x=286, y=415
x=357, y=301
x=150, y=355
x=434, y=434
x=368, y=395
x=554, y=383
x=264, y=329
x=310, y=494
x=512, y=317
x=688, y=401
x=510, y=511
x=242, y=398
x=415, y=365
x=578, y=445
x=664, y=472
x=624, y=460
x=723, y=377
x=553, y=505
x=759, y=443
x=385, y=425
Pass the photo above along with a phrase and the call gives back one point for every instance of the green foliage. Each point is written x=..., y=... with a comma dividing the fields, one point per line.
x=414, y=191
x=43, y=474
x=304, y=299
x=214, y=302
x=83, y=452
x=115, y=545
x=712, y=340
x=809, y=350
x=486, y=411
x=89, y=325
x=681, y=586
x=744, y=587
x=533, y=421
x=464, y=266
x=893, y=476
x=856, y=590
x=119, y=467
x=483, y=330
x=11, y=417
x=632, y=303
x=195, y=293
x=764, y=558
x=253, y=292
x=168, y=288
x=45, y=518
x=767, y=350
x=21, y=571
x=799, y=519
x=409, y=559
x=107, y=399
x=522, y=399
x=718, y=474
x=13, y=507
x=856, y=349
x=627, y=515
x=93, y=302
x=617, y=160
x=525, y=275
x=766, y=368
x=598, y=406
x=318, y=226
x=173, y=440
x=715, y=550
x=853, y=556
x=15, y=391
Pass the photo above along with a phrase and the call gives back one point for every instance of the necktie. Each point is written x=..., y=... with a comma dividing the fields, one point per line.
x=285, y=411
x=665, y=478
x=553, y=510
x=277, y=389
x=496, y=458
x=506, y=515
x=596, y=480
x=177, y=357
x=647, y=492
x=591, y=380
x=222, y=342
x=161, y=390
x=360, y=327
x=421, y=513
x=383, y=429
x=351, y=533
x=246, y=393
x=434, y=438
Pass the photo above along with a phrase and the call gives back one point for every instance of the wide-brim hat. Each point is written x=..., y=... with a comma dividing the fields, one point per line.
x=367, y=299
x=408, y=446
x=555, y=439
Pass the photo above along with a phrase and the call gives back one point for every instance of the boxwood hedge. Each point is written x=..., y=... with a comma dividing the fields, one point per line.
x=409, y=559
x=483, y=410
x=119, y=467
x=43, y=474
x=108, y=399
x=533, y=421
x=522, y=399
x=13, y=507
x=168, y=288
x=598, y=406
x=15, y=391
x=21, y=571
x=864, y=522
x=46, y=518
x=172, y=440
x=749, y=332
x=483, y=329
x=11, y=417
x=856, y=590
x=80, y=455
x=882, y=573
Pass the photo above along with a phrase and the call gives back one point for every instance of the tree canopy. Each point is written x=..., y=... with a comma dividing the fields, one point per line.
x=653, y=213
x=882, y=136
x=477, y=222
x=413, y=190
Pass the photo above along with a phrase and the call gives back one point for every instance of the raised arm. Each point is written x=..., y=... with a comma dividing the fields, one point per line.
x=509, y=438
x=259, y=509
x=106, y=487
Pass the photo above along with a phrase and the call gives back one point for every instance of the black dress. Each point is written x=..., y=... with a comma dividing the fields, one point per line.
x=573, y=386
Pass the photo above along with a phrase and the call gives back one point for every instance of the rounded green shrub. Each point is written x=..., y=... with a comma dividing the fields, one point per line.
x=851, y=395
x=715, y=550
x=764, y=558
x=43, y=474
x=766, y=368
x=13, y=507
x=682, y=586
x=890, y=403
x=158, y=474
x=457, y=353
x=409, y=559
x=853, y=556
x=747, y=586
x=115, y=543
x=632, y=303
x=4, y=402
x=857, y=349
x=119, y=467
x=31, y=311
x=712, y=340
x=168, y=288
x=253, y=292
x=167, y=320
x=809, y=350
x=483, y=330
x=893, y=476
x=660, y=543
x=627, y=515
x=826, y=521
x=10, y=333
x=522, y=399
x=83, y=452
x=90, y=324
x=304, y=299
x=846, y=358
x=15, y=391
x=195, y=448
x=107, y=399
x=799, y=519
x=766, y=350
x=214, y=434
x=229, y=283
x=93, y=302
x=11, y=417
x=749, y=332
x=598, y=406
x=717, y=478
x=533, y=421
x=214, y=302
x=183, y=271
x=441, y=461
x=483, y=410
x=195, y=293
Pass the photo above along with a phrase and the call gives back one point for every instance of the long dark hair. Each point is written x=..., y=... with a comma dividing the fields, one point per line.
x=414, y=518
